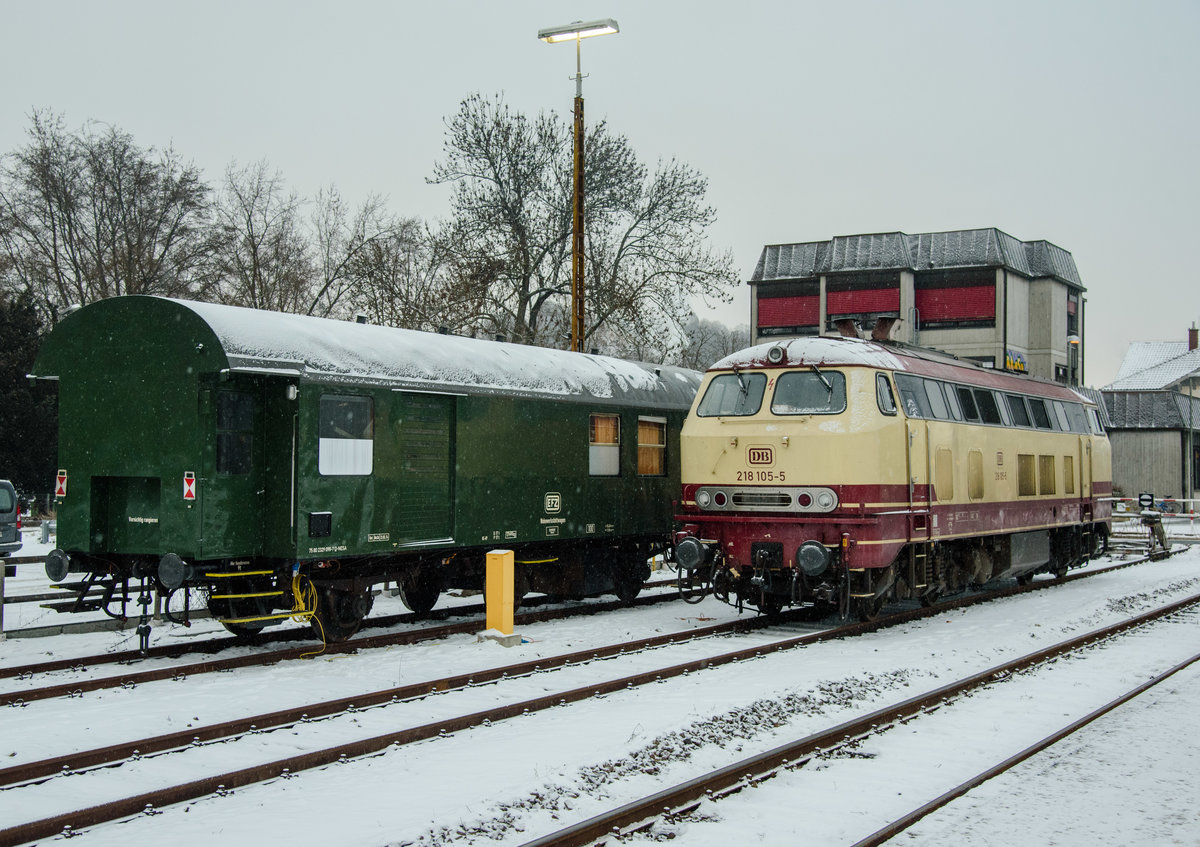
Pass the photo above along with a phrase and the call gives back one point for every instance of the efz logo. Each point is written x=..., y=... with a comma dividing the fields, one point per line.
x=553, y=502
x=760, y=456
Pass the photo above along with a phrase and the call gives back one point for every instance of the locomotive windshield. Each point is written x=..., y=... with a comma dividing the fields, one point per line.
x=809, y=393
x=733, y=395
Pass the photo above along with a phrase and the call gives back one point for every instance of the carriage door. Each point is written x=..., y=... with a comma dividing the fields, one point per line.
x=231, y=501
x=425, y=436
x=918, y=480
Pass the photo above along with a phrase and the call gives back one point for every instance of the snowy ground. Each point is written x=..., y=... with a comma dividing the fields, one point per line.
x=1129, y=779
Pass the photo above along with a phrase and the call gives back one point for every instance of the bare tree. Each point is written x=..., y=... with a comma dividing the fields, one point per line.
x=262, y=256
x=89, y=214
x=511, y=214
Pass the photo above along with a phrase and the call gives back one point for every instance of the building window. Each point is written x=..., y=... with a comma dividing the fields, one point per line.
x=346, y=435
x=235, y=432
x=652, y=447
x=604, y=446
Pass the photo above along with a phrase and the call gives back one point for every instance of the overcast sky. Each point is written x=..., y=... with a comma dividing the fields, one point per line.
x=1074, y=122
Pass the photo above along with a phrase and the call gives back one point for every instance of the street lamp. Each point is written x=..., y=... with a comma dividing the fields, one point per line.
x=576, y=32
x=1073, y=346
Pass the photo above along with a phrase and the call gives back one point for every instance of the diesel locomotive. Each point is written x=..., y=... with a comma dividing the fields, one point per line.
x=846, y=473
x=283, y=465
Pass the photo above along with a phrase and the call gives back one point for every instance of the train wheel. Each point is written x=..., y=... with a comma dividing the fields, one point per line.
x=627, y=584
x=340, y=613
x=419, y=592
x=868, y=608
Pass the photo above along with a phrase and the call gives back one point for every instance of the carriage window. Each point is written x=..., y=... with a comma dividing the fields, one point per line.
x=937, y=402
x=1041, y=418
x=652, y=447
x=810, y=393
x=883, y=395
x=346, y=435
x=604, y=445
x=989, y=412
x=1016, y=405
x=967, y=401
x=733, y=395
x=235, y=432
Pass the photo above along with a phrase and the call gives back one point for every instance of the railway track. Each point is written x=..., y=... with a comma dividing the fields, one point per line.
x=73, y=763
x=684, y=798
x=130, y=677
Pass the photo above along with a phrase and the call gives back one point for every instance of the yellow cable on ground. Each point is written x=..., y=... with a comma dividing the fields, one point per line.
x=304, y=607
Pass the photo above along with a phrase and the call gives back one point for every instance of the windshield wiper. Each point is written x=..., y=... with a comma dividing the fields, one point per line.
x=824, y=380
x=742, y=382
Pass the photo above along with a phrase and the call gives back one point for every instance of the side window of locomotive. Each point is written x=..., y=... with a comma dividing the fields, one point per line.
x=1094, y=419
x=1041, y=418
x=346, y=435
x=652, y=447
x=952, y=402
x=1076, y=417
x=1016, y=405
x=912, y=396
x=1061, y=414
x=937, y=401
x=235, y=432
x=967, y=401
x=730, y=395
x=604, y=445
x=985, y=401
x=883, y=395
x=809, y=393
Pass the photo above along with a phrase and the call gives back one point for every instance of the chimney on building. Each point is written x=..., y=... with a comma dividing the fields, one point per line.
x=848, y=327
x=1193, y=337
x=883, y=328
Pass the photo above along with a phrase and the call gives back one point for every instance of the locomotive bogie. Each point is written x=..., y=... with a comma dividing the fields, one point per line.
x=282, y=463
x=885, y=472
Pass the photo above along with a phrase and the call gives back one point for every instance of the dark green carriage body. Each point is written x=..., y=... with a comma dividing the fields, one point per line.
x=232, y=438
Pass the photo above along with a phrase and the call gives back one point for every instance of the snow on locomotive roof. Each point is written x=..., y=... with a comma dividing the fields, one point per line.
x=838, y=351
x=320, y=348
x=817, y=350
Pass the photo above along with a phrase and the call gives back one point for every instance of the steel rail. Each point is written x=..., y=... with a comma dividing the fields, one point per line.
x=250, y=660
x=259, y=773
x=686, y=796
x=215, y=645
x=899, y=825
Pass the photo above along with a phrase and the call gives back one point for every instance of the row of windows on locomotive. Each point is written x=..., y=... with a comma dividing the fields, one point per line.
x=346, y=432
x=823, y=392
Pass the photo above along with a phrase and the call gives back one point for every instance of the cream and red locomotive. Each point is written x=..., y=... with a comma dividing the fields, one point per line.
x=850, y=473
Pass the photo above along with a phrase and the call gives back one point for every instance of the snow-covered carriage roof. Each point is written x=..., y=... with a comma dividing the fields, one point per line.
x=321, y=349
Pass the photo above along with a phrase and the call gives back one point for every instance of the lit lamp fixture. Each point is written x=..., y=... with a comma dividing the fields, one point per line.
x=576, y=32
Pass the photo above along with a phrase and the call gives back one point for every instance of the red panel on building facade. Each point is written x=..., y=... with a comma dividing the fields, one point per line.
x=978, y=302
x=789, y=311
x=862, y=300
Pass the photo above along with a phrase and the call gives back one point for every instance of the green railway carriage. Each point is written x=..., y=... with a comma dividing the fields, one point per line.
x=286, y=464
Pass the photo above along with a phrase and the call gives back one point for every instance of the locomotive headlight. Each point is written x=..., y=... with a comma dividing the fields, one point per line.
x=689, y=553
x=720, y=500
x=826, y=500
x=775, y=355
x=703, y=498
x=813, y=558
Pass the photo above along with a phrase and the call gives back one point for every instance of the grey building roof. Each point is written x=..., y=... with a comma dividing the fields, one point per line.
x=1156, y=365
x=969, y=248
x=1152, y=409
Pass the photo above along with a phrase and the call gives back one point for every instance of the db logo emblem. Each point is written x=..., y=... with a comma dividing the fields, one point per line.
x=760, y=456
x=553, y=502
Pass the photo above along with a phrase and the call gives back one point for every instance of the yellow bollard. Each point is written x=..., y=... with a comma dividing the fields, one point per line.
x=499, y=593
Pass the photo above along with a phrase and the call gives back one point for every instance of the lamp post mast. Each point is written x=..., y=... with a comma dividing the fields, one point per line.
x=577, y=288
x=578, y=31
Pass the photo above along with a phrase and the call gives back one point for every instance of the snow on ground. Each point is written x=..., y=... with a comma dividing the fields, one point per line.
x=1128, y=780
